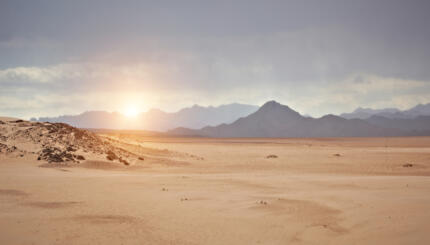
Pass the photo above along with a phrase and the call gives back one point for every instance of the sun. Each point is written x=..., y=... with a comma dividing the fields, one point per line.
x=131, y=111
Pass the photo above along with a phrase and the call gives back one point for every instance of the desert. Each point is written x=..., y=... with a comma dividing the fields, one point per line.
x=215, y=122
x=220, y=191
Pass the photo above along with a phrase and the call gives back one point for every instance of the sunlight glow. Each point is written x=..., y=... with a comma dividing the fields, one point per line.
x=131, y=111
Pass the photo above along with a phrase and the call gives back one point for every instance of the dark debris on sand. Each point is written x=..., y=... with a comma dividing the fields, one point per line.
x=59, y=142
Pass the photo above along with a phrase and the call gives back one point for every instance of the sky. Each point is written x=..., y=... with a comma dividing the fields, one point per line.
x=318, y=57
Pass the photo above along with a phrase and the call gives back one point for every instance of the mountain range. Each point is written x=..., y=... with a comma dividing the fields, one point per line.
x=192, y=117
x=364, y=113
x=270, y=120
x=276, y=120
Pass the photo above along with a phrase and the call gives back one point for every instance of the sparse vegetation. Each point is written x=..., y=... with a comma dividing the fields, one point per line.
x=111, y=155
x=124, y=161
x=80, y=157
x=57, y=142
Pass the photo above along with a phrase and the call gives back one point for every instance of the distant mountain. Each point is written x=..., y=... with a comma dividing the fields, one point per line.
x=419, y=110
x=89, y=119
x=364, y=113
x=276, y=120
x=196, y=116
x=415, y=126
x=157, y=120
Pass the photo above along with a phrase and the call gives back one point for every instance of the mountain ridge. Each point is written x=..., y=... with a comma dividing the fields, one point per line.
x=365, y=113
x=276, y=120
x=156, y=119
x=272, y=119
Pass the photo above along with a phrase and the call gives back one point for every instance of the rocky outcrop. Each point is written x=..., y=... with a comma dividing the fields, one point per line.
x=57, y=143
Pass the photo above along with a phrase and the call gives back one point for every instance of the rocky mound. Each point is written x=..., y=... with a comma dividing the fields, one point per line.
x=57, y=143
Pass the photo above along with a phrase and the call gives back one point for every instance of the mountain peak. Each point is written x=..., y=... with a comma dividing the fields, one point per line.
x=271, y=103
x=421, y=107
x=361, y=109
x=273, y=108
x=197, y=106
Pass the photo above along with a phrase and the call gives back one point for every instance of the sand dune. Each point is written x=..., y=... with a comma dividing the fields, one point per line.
x=59, y=144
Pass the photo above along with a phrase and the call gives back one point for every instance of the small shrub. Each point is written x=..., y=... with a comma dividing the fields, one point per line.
x=80, y=157
x=124, y=161
x=111, y=155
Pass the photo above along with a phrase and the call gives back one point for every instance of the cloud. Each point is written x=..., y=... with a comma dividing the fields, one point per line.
x=367, y=83
x=29, y=74
x=76, y=87
x=318, y=57
x=365, y=90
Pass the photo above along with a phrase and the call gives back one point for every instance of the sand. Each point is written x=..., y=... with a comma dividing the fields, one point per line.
x=225, y=191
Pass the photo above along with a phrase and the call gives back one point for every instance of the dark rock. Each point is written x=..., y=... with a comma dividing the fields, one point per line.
x=59, y=142
x=80, y=157
x=124, y=161
x=111, y=155
x=70, y=148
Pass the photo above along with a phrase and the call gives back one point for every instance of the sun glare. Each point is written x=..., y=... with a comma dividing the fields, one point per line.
x=131, y=111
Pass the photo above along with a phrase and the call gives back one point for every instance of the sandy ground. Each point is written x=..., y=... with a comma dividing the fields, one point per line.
x=225, y=191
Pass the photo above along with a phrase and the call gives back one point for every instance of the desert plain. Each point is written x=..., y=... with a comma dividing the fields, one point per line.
x=224, y=191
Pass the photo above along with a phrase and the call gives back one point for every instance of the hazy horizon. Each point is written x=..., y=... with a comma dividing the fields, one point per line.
x=124, y=113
